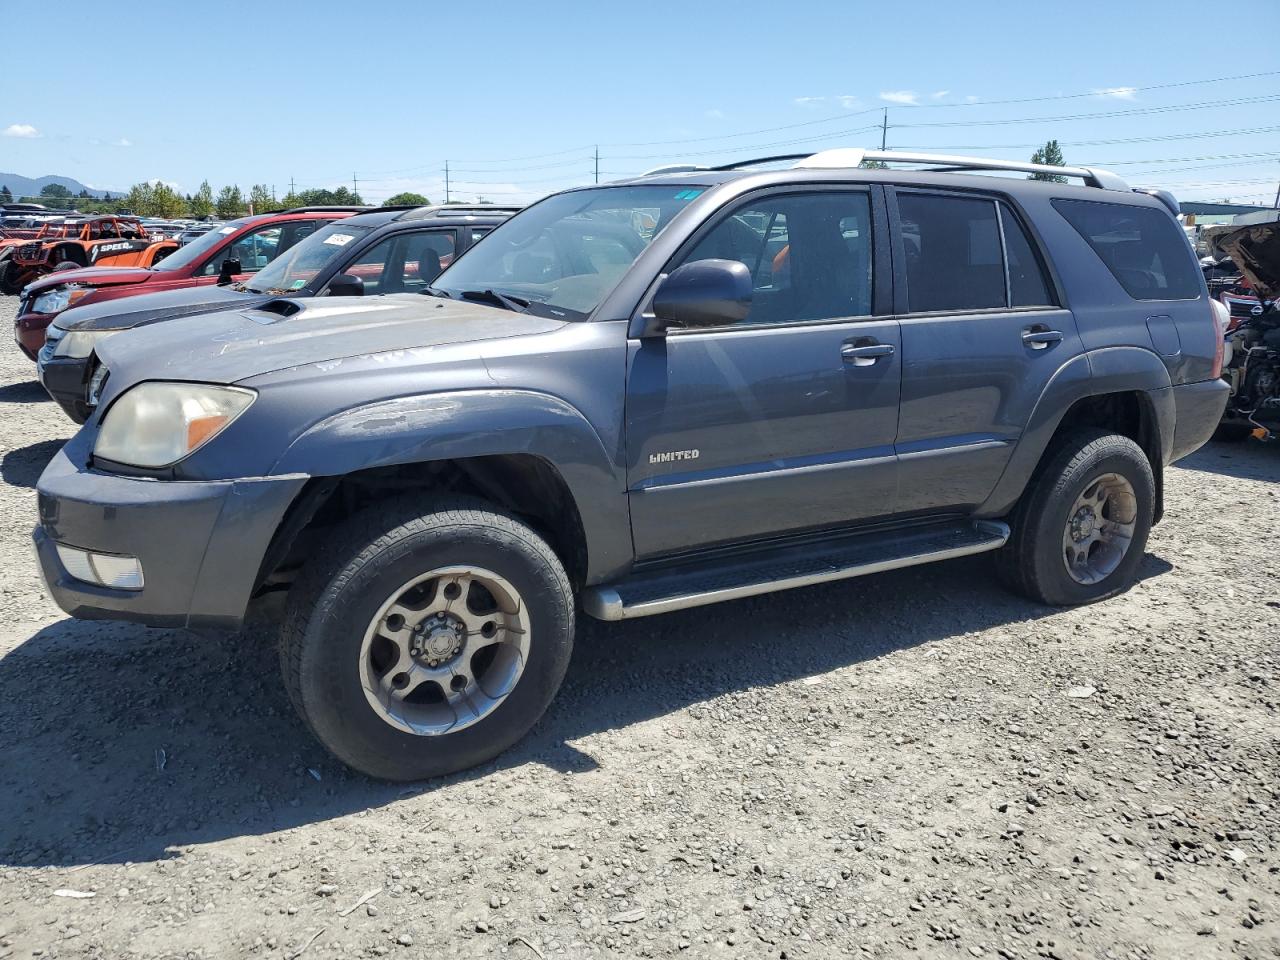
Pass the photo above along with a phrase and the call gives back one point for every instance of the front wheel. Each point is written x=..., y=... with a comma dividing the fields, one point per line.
x=418, y=645
x=1080, y=530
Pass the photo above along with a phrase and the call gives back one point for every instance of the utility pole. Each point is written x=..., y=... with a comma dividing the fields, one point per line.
x=273, y=193
x=292, y=192
x=354, y=188
x=446, y=181
x=884, y=128
x=597, y=163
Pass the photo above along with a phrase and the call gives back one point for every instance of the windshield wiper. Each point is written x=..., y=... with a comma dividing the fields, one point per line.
x=436, y=292
x=517, y=304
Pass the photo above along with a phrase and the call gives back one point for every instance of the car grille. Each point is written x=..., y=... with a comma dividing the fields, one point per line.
x=1241, y=306
x=29, y=251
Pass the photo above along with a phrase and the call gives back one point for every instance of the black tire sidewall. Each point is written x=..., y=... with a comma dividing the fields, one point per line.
x=333, y=699
x=1114, y=455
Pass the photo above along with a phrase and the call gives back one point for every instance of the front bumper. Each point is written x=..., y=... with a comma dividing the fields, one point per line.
x=200, y=544
x=29, y=331
x=1198, y=409
x=67, y=381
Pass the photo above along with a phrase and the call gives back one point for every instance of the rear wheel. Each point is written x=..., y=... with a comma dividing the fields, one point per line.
x=421, y=644
x=10, y=279
x=1080, y=530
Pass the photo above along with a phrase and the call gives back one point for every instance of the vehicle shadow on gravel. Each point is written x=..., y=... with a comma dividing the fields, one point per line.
x=1247, y=460
x=118, y=743
x=28, y=392
x=22, y=467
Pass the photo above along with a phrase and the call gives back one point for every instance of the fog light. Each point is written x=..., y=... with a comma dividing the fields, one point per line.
x=103, y=569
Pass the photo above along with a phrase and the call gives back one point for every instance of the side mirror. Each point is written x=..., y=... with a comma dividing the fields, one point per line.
x=345, y=285
x=704, y=293
x=227, y=272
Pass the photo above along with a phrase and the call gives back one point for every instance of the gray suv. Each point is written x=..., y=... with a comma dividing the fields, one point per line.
x=696, y=385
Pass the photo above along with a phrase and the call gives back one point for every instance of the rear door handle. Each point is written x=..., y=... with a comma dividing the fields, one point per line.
x=1038, y=337
x=861, y=354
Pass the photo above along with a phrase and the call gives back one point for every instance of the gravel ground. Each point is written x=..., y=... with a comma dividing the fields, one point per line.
x=910, y=763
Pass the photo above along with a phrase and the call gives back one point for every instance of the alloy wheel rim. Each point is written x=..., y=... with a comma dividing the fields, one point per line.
x=444, y=650
x=1099, y=528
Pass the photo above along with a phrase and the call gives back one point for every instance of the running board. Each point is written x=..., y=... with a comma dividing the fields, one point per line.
x=678, y=588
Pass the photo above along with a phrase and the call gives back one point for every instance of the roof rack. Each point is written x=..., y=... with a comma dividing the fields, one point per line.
x=848, y=157
x=459, y=210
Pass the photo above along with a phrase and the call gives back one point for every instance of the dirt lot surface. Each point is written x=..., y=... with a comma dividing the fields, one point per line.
x=909, y=763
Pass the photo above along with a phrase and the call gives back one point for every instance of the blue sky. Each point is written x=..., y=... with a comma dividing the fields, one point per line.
x=516, y=95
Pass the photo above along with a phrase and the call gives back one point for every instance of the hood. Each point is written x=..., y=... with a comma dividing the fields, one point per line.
x=234, y=345
x=92, y=277
x=135, y=311
x=1255, y=250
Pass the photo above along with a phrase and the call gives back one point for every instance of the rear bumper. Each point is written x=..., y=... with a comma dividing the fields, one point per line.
x=200, y=544
x=67, y=381
x=1198, y=411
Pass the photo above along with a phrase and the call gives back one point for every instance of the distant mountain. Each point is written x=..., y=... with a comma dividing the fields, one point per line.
x=30, y=187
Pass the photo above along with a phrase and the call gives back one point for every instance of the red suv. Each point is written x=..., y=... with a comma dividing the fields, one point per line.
x=225, y=254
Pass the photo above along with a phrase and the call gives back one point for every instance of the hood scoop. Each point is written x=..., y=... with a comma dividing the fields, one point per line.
x=279, y=307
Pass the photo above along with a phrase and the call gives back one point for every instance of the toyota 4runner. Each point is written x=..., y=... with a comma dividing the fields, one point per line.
x=693, y=386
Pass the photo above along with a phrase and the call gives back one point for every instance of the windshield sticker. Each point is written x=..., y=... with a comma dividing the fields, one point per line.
x=297, y=284
x=339, y=239
x=226, y=230
x=686, y=194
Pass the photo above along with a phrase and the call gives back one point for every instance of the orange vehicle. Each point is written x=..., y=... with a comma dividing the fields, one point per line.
x=104, y=241
x=11, y=239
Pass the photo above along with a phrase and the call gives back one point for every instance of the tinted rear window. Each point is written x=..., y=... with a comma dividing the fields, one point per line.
x=1144, y=249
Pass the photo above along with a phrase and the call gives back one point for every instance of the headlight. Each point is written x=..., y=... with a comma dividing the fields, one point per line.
x=78, y=344
x=157, y=424
x=58, y=299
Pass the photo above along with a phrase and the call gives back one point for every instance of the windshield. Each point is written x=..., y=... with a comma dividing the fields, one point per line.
x=197, y=248
x=295, y=268
x=565, y=254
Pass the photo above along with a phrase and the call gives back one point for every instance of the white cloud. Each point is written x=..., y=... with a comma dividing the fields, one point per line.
x=808, y=101
x=171, y=184
x=715, y=114
x=970, y=99
x=1118, y=93
x=848, y=101
x=904, y=97
x=939, y=94
x=23, y=131
x=122, y=142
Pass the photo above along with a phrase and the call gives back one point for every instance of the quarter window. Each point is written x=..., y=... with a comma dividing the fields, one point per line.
x=1144, y=248
x=1027, y=284
x=809, y=255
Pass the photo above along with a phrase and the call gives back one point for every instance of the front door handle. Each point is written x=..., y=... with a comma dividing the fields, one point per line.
x=1039, y=337
x=863, y=353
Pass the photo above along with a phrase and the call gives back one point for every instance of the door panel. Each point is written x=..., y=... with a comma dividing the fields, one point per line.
x=740, y=434
x=969, y=383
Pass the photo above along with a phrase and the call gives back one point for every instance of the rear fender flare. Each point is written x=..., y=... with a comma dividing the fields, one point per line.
x=1092, y=374
x=479, y=423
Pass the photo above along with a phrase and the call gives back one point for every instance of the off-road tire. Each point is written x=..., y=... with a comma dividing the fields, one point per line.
x=338, y=593
x=1032, y=562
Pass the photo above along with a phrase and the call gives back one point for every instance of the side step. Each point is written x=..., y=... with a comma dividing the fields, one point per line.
x=689, y=585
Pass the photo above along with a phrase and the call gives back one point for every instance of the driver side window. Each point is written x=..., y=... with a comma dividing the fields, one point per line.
x=254, y=249
x=809, y=255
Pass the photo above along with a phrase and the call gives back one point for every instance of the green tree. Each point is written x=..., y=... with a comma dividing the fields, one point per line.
x=230, y=203
x=874, y=165
x=1050, y=155
x=165, y=202
x=406, y=199
x=201, y=205
x=341, y=197
x=55, y=190
x=260, y=198
x=6, y=195
x=138, y=199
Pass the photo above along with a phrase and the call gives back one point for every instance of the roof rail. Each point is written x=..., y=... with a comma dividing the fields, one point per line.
x=678, y=168
x=853, y=156
x=443, y=210
x=324, y=209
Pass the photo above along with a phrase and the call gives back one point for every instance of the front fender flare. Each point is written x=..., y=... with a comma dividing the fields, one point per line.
x=1091, y=374
x=479, y=423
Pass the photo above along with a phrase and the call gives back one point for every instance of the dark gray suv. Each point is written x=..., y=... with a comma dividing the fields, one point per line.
x=693, y=386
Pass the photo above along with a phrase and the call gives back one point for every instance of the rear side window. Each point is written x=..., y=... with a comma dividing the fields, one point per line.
x=1144, y=249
